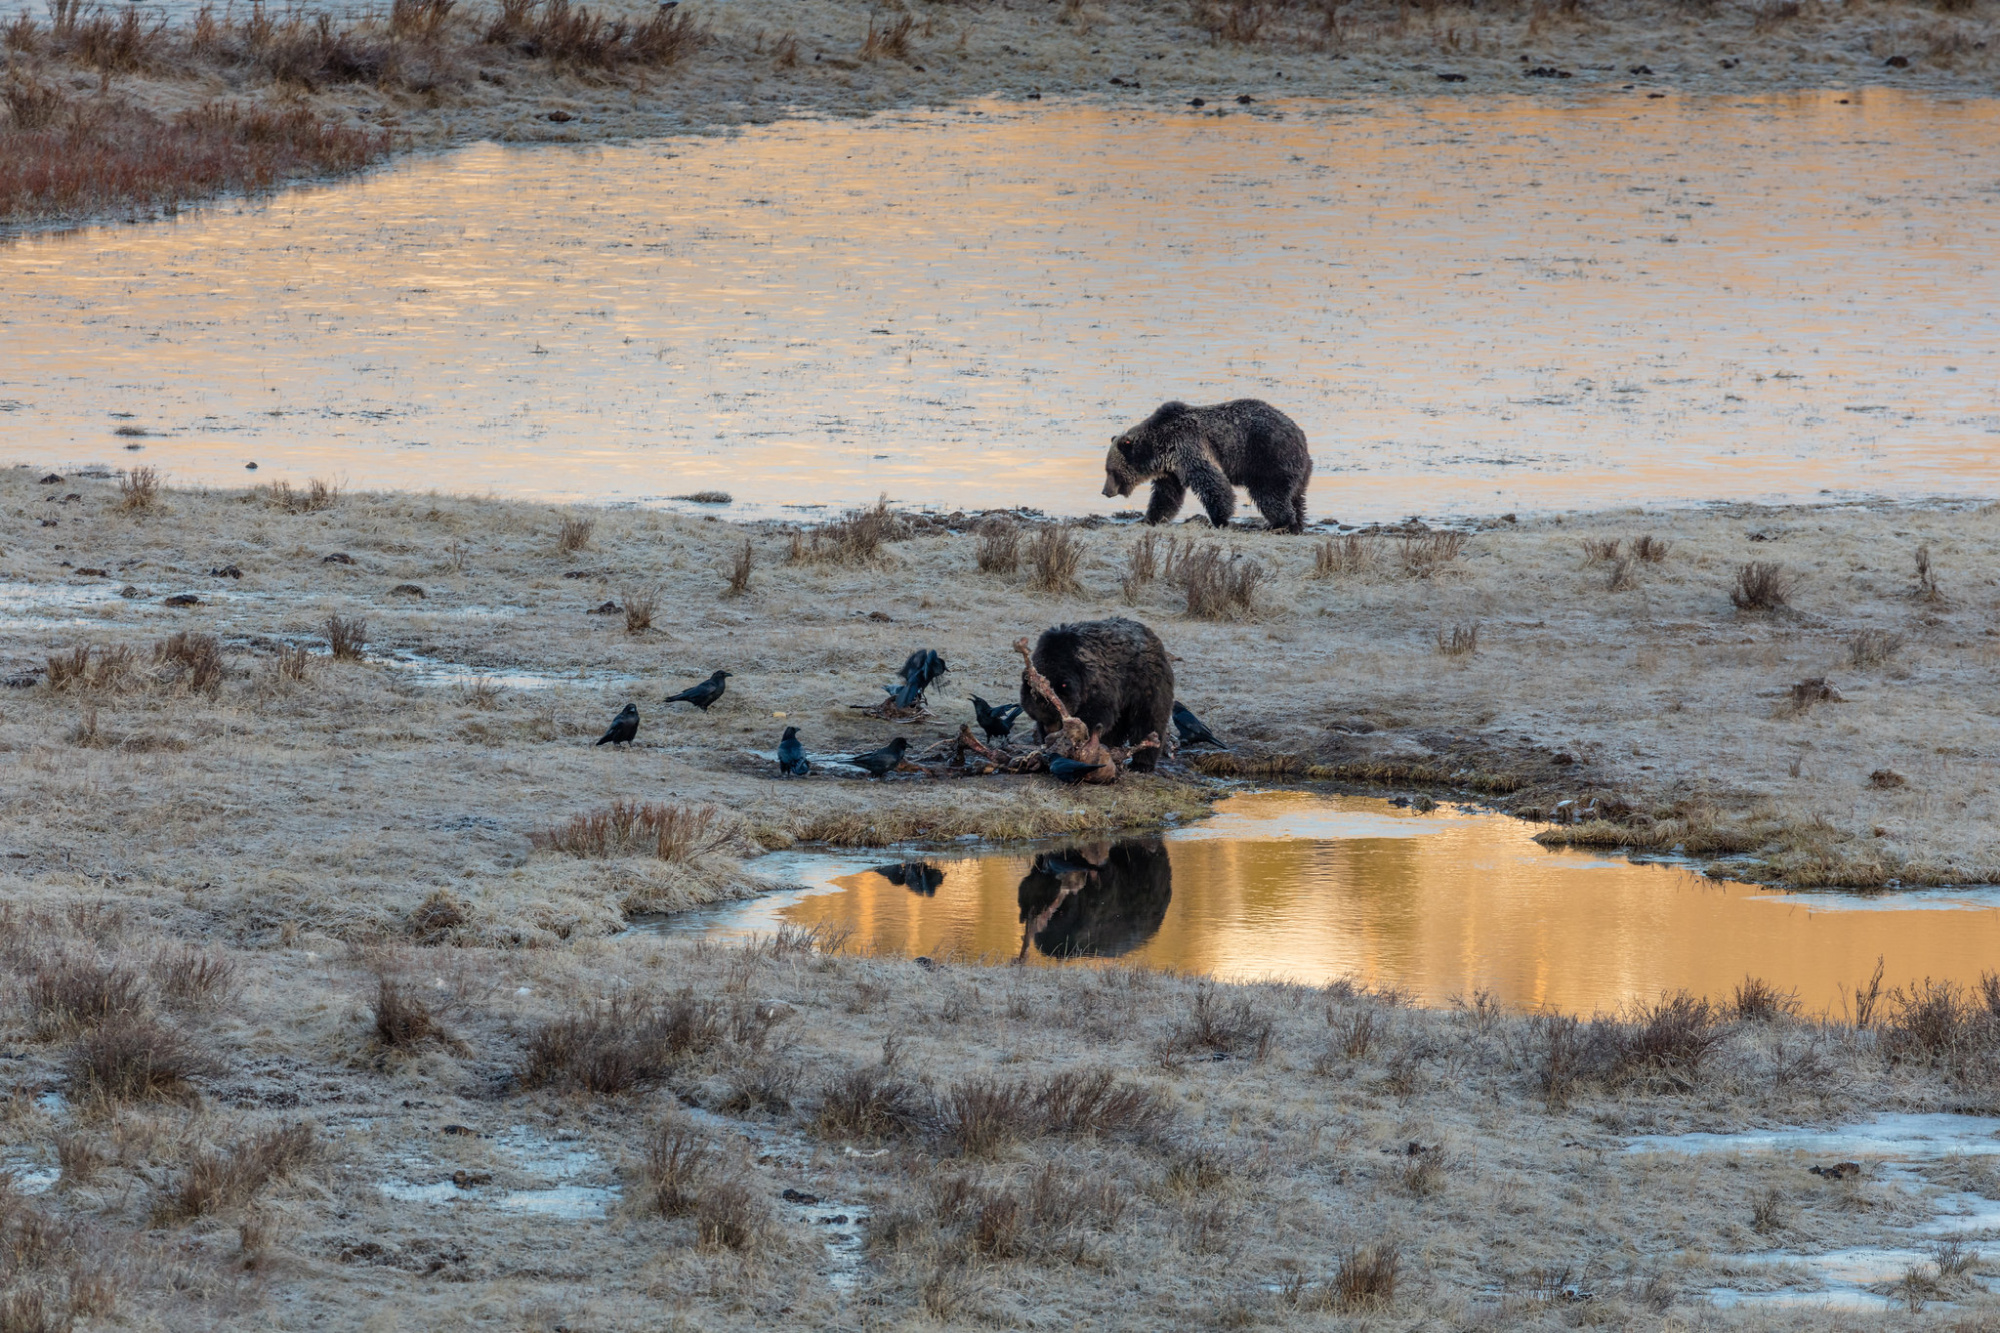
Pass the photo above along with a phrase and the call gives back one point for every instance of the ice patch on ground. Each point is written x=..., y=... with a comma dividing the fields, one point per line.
x=1895, y=1135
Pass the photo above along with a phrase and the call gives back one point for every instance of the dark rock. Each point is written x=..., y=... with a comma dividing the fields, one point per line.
x=800, y=1196
x=1562, y=758
x=1244, y=99
x=462, y=1131
x=1423, y=805
x=129, y=591
x=1400, y=802
x=406, y=590
x=1548, y=72
x=89, y=572
x=1887, y=779
x=25, y=680
x=560, y=117
x=181, y=599
x=608, y=609
x=337, y=558
x=1728, y=64
x=926, y=964
x=1643, y=71
x=1897, y=62
x=1838, y=1171
x=249, y=467
x=466, y=1180
x=53, y=479
x=1451, y=78
x=1197, y=101
x=226, y=572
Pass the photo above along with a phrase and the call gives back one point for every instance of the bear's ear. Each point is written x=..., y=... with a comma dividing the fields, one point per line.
x=1171, y=409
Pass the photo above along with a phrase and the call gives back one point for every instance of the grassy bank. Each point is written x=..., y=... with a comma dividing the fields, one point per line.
x=432, y=72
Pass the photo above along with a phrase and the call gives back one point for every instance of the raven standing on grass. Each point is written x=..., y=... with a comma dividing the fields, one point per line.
x=920, y=670
x=1191, y=729
x=792, y=761
x=623, y=727
x=879, y=762
x=995, y=721
x=702, y=695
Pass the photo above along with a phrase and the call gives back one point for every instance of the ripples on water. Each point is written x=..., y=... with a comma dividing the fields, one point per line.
x=1307, y=888
x=1470, y=305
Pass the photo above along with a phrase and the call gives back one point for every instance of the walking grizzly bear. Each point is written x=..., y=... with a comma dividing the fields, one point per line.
x=1213, y=450
x=1113, y=674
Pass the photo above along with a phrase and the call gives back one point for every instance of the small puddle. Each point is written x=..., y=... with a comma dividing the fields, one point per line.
x=1305, y=887
x=563, y=1175
x=436, y=671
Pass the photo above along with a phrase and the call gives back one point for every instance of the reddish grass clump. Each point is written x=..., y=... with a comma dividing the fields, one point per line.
x=64, y=158
x=669, y=832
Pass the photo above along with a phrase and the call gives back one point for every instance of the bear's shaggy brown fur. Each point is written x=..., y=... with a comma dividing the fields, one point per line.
x=1113, y=674
x=1213, y=450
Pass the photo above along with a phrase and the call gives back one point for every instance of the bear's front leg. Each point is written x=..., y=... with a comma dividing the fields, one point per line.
x=1217, y=496
x=1167, y=496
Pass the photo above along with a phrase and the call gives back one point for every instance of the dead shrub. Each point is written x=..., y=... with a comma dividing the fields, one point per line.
x=293, y=662
x=1555, y=1056
x=1054, y=555
x=730, y=1215
x=190, y=659
x=677, y=1162
x=1224, y=1028
x=1763, y=586
x=440, y=913
x=856, y=538
x=139, y=490
x=1650, y=549
x=983, y=1114
x=1366, y=1278
x=1431, y=554
x=1620, y=577
x=403, y=1020
x=35, y=106
x=1873, y=648
x=570, y=35
x=1426, y=1171
x=999, y=550
x=678, y=833
x=625, y=1044
x=740, y=569
x=131, y=1057
x=1343, y=557
x=1458, y=640
x=1142, y=565
x=868, y=1102
x=193, y=979
x=1216, y=587
x=1664, y=1046
x=1757, y=1001
x=574, y=534
x=1599, y=550
x=73, y=992
x=346, y=638
x=1927, y=589
x=785, y=51
x=1943, y=1025
x=215, y=1182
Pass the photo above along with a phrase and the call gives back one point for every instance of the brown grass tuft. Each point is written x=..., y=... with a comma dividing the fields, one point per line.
x=1756, y=1000
x=1762, y=586
x=1215, y=1028
x=568, y=35
x=192, y=978
x=677, y=833
x=77, y=671
x=139, y=490
x=856, y=538
x=1341, y=557
x=131, y=1057
x=1216, y=587
x=574, y=534
x=403, y=1020
x=982, y=1115
x=72, y=992
x=1458, y=640
x=999, y=546
x=639, y=605
x=315, y=496
x=293, y=662
x=215, y=1182
x=1055, y=554
x=1599, y=550
x=739, y=570
x=629, y=1044
x=190, y=659
x=1431, y=554
x=677, y=1161
x=1142, y=565
x=1366, y=1279
x=1927, y=589
x=347, y=639
x=1873, y=648
x=1650, y=549
x=869, y=1102
x=890, y=37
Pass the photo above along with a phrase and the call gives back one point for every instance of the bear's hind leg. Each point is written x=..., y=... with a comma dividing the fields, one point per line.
x=1217, y=496
x=1167, y=496
x=1278, y=509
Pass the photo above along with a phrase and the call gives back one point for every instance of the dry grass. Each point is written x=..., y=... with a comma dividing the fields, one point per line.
x=403, y=1020
x=314, y=497
x=1873, y=647
x=293, y=662
x=1599, y=550
x=132, y=1057
x=639, y=605
x=1649, y=549
x=1054, y=554
x=192, y=978
x=139, y=487
x=1431, y=554
x=1758, y=1001
x=888, y=37
x=982, y=1115
x=677, y=1162
x=740, y=569
x=1622, y=576
x=1458, y=640
x=574, y=533
x=1763, y=586
x=1142, y=565
x=1216, y=586
x=856, y=538
x=1927, y=589
x=629, y=1044
x=999, y=550
x=215, y=1182
x=190, y=660
x=73, y=992
x=1217, y=1027
x=571, y=37
x=678, y=833
x=1345, y=557
x=869, y=1102
x=346, y=638
x=87, y=668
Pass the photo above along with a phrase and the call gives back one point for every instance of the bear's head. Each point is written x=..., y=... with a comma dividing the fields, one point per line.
x=1143, y=452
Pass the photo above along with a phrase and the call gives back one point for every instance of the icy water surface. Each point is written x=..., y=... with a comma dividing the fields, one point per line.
x=1471, y=306
x=1296, y=886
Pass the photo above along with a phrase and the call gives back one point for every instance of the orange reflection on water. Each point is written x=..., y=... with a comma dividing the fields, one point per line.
x=1468, y=305
x=1294, y=886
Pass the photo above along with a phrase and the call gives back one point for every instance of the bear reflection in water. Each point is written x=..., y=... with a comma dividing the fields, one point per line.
x=1096, y=899
x=919, y=877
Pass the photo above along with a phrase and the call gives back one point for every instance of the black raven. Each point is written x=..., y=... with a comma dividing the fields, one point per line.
x=995, y=721
x=623, y=727
x=702, y=695
x=1071, y=771
x=1191, y=729
x=879, y=762
x=920, y=670
x=792, y=761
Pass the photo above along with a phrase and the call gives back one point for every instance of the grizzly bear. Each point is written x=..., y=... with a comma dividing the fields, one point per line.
x=1214, y=450
x=1113, y=674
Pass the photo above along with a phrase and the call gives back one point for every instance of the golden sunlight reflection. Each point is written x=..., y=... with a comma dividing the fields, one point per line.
x=1469, y=306
x=1293, y=886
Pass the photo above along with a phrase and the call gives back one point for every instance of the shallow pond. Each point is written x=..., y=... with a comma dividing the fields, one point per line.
x=1309, y=888
x=1471, y=306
